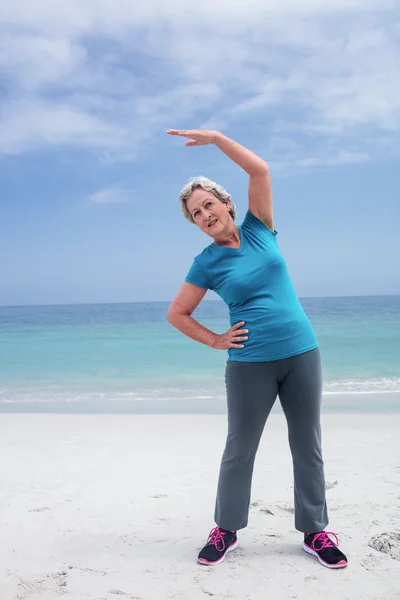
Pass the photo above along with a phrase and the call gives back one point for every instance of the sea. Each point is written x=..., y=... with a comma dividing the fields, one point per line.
x=126, y=358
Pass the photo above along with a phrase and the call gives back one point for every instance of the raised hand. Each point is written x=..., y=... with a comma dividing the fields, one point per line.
x=197, y=137
x=231, y=338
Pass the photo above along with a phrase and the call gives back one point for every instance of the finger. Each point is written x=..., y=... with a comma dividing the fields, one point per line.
x=240, y=339
x=192, y=143
x=237, y=325
x=236, y=346
x=183, y=132
x=242, y=332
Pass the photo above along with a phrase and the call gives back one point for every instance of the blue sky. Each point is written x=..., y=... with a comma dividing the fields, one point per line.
x=89, y=179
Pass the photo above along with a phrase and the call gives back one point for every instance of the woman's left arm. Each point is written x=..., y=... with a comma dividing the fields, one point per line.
x=260, y=189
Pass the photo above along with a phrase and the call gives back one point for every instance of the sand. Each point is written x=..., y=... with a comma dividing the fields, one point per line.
x=103, y=507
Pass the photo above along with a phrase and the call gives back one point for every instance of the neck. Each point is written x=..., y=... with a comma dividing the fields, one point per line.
x=231, y=239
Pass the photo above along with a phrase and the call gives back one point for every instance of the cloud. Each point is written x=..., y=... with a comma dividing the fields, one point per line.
x=111, y=195
x=296, y=161
x=108, y=76
x=30, y=61
x=28, y=125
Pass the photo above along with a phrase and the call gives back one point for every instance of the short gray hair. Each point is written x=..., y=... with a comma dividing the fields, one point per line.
x=209, y=186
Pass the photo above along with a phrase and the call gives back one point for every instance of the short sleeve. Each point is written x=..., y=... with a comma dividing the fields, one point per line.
x=254, y=225
x=198, y=276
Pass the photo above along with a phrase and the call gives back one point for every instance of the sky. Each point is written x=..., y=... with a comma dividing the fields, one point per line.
x=89, y=179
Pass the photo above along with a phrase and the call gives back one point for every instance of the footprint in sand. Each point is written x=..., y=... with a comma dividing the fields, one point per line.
x=121, y=593
x=286, y=508
x=89, y=570
x=331, y=484
x=261, y=507
x=40, y=509
x=124, y=539
x=207, y=592
x=51, y=582
x=388, y=543
x=266, y=511
x=26, y=588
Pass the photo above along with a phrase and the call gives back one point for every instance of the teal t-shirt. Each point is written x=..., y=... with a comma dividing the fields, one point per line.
x=254, y=282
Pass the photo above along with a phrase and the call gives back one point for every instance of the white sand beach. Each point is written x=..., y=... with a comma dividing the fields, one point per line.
x=100, y=507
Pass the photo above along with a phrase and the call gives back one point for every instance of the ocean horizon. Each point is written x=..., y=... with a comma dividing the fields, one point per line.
x=126, y=357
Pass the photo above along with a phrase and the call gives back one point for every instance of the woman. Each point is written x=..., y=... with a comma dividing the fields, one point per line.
x=272, y=350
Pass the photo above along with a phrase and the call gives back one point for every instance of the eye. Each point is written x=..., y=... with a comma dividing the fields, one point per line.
x=208, y=203
x=196, y=212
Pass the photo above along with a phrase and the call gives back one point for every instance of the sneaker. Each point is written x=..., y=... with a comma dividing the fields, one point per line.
x=219, y=543
x=325, y=549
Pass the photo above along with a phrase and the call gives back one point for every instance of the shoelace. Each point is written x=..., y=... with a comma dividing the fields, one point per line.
x=325, y=541
x=216, y=538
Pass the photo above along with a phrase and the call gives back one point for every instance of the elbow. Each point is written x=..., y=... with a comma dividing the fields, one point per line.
x=261, y=171
x=264, y=171
x=173, y=316
x=170, y=315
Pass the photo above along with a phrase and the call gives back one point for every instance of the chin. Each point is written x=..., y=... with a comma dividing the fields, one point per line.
x=210, y=232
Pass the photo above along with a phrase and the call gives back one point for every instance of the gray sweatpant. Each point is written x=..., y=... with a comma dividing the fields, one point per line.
x=252, y=389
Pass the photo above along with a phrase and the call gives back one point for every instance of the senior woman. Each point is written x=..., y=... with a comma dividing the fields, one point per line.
x=272, y=350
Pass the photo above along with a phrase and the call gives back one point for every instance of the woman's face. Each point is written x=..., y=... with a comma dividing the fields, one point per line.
x=209, y=213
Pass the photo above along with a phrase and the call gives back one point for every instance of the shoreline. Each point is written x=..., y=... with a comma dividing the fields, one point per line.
x=332, y=403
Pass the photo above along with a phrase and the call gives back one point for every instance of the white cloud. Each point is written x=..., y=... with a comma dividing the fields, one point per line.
x=111, y=195
x=300, y=160
x=338, y=158
x=31, y=61
x=27, y=125
x=109, y=74
x=117, y=16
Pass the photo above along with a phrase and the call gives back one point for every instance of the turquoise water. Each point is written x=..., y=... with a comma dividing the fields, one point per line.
x=113, y=355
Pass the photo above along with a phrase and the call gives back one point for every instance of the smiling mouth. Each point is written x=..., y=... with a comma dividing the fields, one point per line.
x=212, y=223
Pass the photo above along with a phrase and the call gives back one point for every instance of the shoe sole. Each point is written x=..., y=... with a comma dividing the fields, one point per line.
x=203, y=561
x=339, y=565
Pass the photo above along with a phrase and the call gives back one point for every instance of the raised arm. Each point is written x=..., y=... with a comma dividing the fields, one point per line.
x=260, y=188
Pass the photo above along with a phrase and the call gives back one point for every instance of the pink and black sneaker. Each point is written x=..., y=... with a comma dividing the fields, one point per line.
x=325, y=549
x=219, y=543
